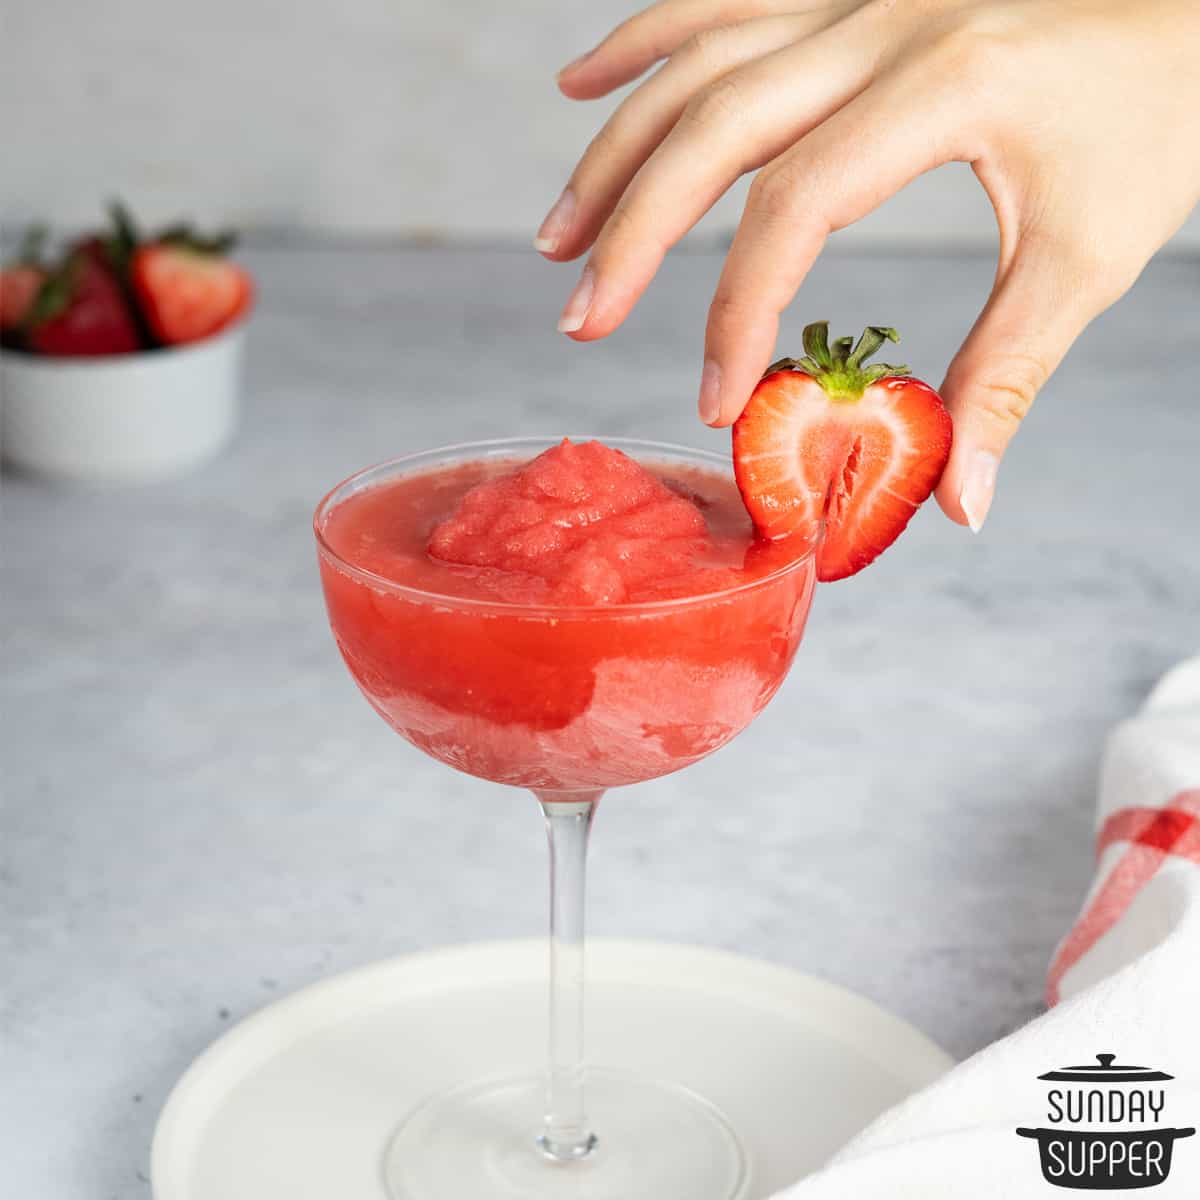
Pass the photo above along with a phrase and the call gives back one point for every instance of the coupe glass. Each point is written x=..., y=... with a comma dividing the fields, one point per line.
x=567, y=702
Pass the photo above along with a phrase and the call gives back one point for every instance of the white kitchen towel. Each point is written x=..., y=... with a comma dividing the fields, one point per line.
x=1125, y=981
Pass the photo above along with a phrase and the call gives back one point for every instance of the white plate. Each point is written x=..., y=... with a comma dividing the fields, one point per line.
x=298, y=1102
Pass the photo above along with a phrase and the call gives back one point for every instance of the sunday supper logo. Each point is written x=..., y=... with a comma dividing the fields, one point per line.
x=1105, y=1127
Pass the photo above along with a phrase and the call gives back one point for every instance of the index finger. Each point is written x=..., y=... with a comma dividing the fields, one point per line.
x=656, y=32
x=898, y=128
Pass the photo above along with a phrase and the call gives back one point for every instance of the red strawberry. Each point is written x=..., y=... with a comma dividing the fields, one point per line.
x=187, y=290
x=20, y=281
x=81, y=310
x=827, y=442
x=19, y=285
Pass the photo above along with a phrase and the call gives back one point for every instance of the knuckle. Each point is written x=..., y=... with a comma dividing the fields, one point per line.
x=773, y=194
x=717, y=106
x=964, y=52
x=726, y=311
x=707, y=49
x=1005, y=387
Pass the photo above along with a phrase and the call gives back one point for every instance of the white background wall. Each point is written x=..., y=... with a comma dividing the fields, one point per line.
x=404, y=117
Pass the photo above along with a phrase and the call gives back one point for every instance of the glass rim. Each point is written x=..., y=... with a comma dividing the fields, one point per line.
x=463, y=451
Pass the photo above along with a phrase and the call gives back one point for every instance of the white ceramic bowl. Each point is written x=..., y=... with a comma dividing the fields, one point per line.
x=126, y=418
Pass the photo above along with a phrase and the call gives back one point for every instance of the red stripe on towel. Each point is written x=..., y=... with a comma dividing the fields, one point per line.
x=1153, y=835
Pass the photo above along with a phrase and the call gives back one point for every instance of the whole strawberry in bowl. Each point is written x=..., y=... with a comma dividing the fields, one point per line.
x=120, y=356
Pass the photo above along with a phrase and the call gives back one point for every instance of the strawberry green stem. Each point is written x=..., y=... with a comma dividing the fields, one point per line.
x=124, y=226
x=841, y=369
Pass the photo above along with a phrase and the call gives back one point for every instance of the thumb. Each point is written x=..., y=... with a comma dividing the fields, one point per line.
x=1037, y=308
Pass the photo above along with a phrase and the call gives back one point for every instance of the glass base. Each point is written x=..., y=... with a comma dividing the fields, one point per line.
x=657, y=1141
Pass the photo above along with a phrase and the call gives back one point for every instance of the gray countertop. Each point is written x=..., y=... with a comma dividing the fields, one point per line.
x=201, y=814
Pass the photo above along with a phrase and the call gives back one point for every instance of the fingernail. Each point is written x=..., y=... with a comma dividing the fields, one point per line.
x=710, y=392
x=576, y=62
x=557, y=221
x=575, y=311
x=979, y=483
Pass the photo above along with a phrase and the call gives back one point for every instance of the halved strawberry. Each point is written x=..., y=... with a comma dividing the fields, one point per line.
x=838, y=453
x=186, y=289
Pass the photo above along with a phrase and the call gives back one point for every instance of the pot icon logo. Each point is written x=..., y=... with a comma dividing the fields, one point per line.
x=1105, y=1127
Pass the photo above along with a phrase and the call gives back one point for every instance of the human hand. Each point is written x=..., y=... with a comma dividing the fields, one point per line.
x=1078, y=117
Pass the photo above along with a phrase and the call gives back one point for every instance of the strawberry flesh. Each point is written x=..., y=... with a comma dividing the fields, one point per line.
x=187, y=293
x=837, y=456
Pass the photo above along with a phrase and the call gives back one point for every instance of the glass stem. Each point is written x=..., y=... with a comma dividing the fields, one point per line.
x=565, y=1132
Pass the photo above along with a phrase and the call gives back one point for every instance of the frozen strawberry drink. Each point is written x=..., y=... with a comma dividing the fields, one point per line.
x=573, y=620
x=563, y=617
x=567, y=616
